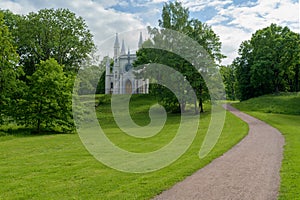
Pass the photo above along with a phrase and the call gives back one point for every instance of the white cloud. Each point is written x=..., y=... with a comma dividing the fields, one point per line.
x=159, y=1
x=104, y=23
x=263, y=14
x=20, y=7
x=233, y=23
x=231, y=38
x=199, y=5
x=106, y=3
x=123, y=3
x=217, y=19
x=237, y=23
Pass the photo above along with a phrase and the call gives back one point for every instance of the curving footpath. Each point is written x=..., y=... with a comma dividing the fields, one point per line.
x=250, y=170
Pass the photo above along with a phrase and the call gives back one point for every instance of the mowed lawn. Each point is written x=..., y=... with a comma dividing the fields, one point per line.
x=59, y=167
x=267, y=108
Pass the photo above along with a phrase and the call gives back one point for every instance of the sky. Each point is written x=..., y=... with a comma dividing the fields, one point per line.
x=232, y=20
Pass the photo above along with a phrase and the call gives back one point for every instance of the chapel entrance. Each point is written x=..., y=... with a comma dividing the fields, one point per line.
x=128, y=87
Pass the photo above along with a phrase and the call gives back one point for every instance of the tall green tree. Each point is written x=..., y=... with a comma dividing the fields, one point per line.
x=268, y=62
x=267, y=73
x=51, y=33
x=244, y=89
x=48, y=101
x=291, y=58
x=9, y=70
x=176, y=17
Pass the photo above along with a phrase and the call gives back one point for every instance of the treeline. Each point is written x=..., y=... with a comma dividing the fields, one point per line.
x=40, y=54
x=267, y=63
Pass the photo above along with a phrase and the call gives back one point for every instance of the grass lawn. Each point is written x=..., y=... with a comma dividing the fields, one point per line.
x=59, y=167
x=267, y=108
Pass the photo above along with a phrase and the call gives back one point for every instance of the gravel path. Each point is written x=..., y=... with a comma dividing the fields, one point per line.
x=250, y=170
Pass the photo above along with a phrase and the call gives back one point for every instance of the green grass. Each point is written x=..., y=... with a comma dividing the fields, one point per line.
x=59, y=167
x=267, y=108
x=283, y=103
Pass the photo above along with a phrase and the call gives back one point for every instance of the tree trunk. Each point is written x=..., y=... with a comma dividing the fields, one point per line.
x=39, y=126
x=201, y=105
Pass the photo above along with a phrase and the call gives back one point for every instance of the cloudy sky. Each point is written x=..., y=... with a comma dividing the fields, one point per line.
x=233, y=20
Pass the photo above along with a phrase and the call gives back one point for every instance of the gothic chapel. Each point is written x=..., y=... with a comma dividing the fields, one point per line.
x=120, y=79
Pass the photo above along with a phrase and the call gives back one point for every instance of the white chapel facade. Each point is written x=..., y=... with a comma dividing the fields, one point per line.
x=120, y=78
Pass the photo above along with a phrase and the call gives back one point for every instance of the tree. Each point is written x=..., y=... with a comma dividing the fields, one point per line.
x=267, y=70
x=48, y=101
x=291, y=59
x=92, y=76
x=161, y=75
x=9, y=70
x=176, y=17
x=12, y=21
x=268, y=62
x=228, y=76
x=50, y=33
x=242, y=66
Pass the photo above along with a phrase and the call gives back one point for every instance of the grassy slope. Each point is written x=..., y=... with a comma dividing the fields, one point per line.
x=59, y=167
x=267, y=108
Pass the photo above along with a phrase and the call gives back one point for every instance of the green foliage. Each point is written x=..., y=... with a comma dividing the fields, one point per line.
x=44, y=40
x=92, y=77
x=47, y=104
x=282, y=103
x=11, y=20
x=59, y=167
x=268, y=63
x=165, y=96
x=228, y=76
x=55, y=34
x=101, y=84
x=176, y=17
x=9, y=71
x=287, y=122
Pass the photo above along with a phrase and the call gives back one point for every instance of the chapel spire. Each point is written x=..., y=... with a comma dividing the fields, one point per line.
x=140, y=41
x=116, y=47
x=117, y=44
x=123, y=51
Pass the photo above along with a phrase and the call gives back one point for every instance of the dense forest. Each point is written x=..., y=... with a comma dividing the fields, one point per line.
x=40, y=54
